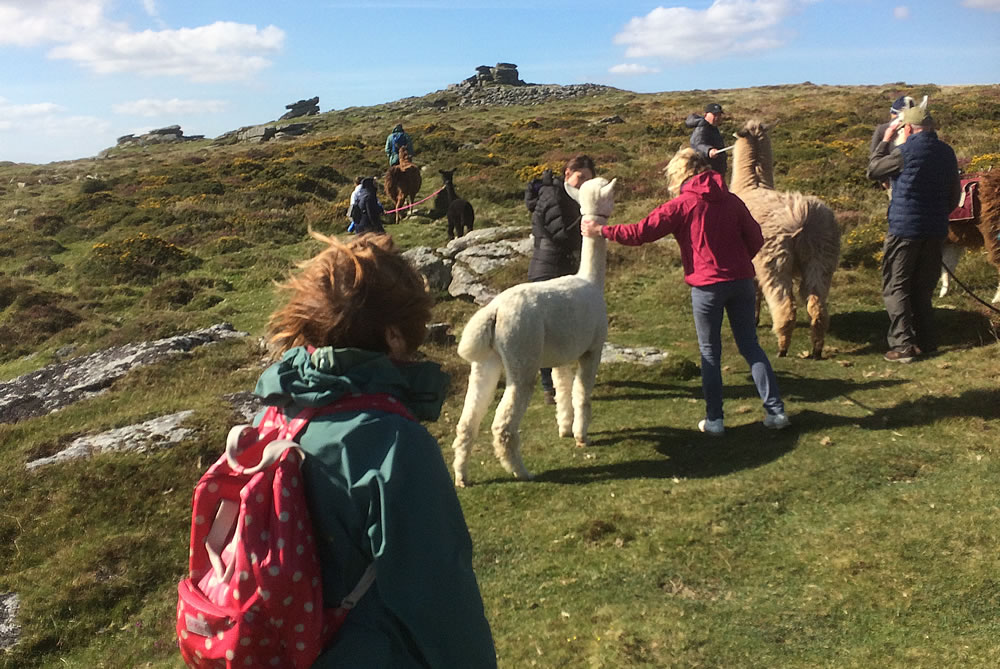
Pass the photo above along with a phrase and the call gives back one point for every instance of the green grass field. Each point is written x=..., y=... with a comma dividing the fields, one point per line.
x=863, y=536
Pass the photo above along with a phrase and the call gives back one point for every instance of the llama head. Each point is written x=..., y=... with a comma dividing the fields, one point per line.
x=596, y=197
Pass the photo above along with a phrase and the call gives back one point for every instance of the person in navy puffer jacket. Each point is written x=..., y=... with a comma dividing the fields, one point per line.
x=925, y=188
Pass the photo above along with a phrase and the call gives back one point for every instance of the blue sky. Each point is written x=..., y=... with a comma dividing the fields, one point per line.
x=77, y=74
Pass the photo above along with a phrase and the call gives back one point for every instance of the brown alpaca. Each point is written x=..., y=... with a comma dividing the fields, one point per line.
x=980, y=233
x=402, y=182
x=801, y=240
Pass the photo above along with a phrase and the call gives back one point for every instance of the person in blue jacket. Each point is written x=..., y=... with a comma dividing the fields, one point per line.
x=923, y=172
x=378, y=489
x=396, y=139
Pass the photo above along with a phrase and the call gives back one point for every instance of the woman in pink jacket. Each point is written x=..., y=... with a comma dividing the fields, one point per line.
x=718, y=238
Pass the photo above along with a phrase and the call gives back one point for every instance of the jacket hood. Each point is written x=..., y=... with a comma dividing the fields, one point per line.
x=706, y=185
x=326, y=375
x=398, y=128
x=693, y=120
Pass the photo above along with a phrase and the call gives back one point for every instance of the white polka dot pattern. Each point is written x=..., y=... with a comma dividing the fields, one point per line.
x=259, y=595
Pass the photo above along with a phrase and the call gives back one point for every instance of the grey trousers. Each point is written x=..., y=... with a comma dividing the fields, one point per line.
x=910, y=270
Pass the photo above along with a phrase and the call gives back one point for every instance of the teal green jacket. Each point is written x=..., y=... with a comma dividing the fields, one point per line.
x=379, y=490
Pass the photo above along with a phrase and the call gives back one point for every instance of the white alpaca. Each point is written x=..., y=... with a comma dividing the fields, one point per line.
x=560, y=323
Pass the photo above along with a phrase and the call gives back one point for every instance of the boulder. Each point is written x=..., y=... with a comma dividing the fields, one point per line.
x=308, y=107
x=434, y=268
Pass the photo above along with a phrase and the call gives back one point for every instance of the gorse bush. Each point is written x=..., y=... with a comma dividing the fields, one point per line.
x=138, y=259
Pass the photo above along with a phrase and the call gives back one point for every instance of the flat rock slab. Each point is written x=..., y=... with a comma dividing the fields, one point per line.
x=163, y=431
x=60, y=384
x=10, y=631
x=643, y=355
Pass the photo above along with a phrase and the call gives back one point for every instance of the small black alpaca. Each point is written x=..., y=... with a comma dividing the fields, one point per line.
x=461, y=216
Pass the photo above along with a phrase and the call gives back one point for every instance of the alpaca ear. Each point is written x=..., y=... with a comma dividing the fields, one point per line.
x=770, y=126
x=607, y=190
x=573, y=192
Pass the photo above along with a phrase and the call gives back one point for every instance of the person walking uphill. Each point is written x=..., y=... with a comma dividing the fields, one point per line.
x=706, y=138
x=369, y=210
x=378, y=489
x=555, y=228
x=925, y=188
x=718, y=238
x=394, y=141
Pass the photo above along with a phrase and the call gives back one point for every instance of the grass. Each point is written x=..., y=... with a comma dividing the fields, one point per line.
x=862, y=536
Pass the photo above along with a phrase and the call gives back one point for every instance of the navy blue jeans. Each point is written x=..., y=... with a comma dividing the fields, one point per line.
x=737, y=299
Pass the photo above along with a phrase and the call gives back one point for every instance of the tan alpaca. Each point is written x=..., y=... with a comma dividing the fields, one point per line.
x=801, y=240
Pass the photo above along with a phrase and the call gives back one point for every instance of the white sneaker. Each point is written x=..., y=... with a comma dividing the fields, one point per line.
x=713, y=427
x=776, y=421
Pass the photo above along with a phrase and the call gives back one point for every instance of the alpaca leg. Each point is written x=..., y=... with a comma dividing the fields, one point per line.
x=562, y=378
x=777, y=292
x=950, y=255
x=996, y=296
x=507, y=421
x=819, y=322
x=483, y=378
x=583, y=386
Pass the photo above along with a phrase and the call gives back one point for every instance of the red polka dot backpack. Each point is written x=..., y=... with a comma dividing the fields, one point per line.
x=254, y=596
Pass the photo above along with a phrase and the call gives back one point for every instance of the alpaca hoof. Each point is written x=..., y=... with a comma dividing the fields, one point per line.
x=524, y=476
x=582, y=443
x=460, y=483
x=783, y=354
x=565, y=433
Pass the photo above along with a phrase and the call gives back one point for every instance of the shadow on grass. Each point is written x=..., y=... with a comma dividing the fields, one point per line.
x=956, y=328
x=687, y=454
x=642, y=390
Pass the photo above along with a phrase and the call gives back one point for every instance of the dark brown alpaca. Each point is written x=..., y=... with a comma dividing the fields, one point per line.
x=460, y=213
x=402, y=182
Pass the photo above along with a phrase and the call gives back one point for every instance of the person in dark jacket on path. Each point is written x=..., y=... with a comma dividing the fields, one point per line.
x=718, y=238
x=923, y=172
x=369, y=209
x=378, y=489
x=706, y=138
x=555, y=227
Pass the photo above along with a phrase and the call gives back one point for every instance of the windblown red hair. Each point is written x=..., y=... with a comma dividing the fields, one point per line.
x=348, y=295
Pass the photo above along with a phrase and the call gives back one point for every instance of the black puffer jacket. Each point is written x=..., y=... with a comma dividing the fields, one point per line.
x=370, y=219
x=555, y=225
x=706, y=136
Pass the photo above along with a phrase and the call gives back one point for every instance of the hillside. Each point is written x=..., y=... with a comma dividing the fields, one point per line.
x=860, y=538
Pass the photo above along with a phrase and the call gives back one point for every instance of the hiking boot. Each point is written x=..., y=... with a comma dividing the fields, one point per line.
x=776, y=421
x=712, y=427
x=550, y=396
x=901, y=355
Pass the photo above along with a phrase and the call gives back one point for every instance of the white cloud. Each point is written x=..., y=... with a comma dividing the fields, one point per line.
x=33, y=22
x=48, y=119
x=10, y=111
x=726, y=27
x=902, y=12
x=217, y=52
x=989, y=5
x=172, y=107
x=632, y=69
x=81, y=31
